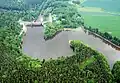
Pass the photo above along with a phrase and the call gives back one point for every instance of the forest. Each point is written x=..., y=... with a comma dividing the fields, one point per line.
x=20, y=5
x=64, y=13
x=16, y=67
x=51, y=29
x=116, y=71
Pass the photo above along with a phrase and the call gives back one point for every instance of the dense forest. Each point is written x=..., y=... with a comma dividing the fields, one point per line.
x=116, y=71
x=16, y=67
x=64, y=13
x=28, y=10
x=51, y=29
x=20, y=4
x=85, y=66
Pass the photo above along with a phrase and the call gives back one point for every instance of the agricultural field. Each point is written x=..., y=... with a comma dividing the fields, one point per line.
x=102, y=14
x=105, y=23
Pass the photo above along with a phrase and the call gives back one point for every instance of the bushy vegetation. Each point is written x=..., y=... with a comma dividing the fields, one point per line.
x=116, y=71
x=76, y=2
x=28, y=10
x=20, y=5
x=105, y=35
x=98, y=68
x=64, y=12
x=51, y=29
x=12, y=5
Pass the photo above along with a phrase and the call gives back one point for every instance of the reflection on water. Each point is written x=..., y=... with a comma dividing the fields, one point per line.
x=35, y=45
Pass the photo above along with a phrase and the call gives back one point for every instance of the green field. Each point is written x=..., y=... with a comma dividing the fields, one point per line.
x=91, y=9
x=105, y=23
x=98, y=15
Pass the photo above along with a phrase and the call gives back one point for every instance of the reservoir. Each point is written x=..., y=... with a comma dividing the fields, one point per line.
x=35, y=46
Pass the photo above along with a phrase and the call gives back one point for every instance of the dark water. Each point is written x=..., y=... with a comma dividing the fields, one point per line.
x=34, y=45
x=109, y=5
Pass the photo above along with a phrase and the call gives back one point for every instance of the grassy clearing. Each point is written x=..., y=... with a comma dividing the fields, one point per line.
x=87, y=62
x=110, y=24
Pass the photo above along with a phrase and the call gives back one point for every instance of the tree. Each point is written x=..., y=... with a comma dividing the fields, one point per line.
x=76, y=2
x=116, y=71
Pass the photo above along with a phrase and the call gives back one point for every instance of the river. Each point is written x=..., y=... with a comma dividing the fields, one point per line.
x=34, y=45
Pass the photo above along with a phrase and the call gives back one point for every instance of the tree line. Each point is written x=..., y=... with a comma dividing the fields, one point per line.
x=105, y=35
x=116, y=71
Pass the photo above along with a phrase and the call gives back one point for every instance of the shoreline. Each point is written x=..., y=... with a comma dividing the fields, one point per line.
x=106, y=41
x=49, y=38
x=59, y=31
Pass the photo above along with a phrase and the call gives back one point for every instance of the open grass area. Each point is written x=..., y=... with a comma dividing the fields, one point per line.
x=105, y=23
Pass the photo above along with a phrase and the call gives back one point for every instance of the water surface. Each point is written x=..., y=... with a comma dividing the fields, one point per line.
x=34, y=45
